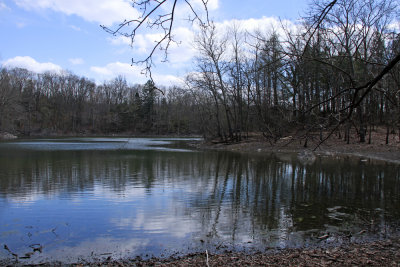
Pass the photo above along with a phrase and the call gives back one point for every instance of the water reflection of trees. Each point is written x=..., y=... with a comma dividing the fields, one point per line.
x=229, y=194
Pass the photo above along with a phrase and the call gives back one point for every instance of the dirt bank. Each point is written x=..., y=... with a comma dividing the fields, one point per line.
x=381, y=253
x=377, y=149
x=377, y=253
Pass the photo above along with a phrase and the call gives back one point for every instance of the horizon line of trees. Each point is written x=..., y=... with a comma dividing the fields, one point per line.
x=51, y=103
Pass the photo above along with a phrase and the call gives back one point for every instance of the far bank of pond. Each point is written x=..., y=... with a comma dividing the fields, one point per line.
x=334, y=146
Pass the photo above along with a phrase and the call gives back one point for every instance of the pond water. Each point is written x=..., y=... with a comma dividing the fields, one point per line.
x=77, y=199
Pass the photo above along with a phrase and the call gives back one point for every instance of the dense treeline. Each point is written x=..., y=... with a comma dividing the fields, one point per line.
x=327, y=75
x=51, y=103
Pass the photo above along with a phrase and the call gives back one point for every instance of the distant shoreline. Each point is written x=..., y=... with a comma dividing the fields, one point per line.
x=377, y=150
x=128, y=135
x=334, y=146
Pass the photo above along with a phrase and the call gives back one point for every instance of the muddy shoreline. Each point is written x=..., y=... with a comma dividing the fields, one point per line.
x=334, y=146
x=384, y=252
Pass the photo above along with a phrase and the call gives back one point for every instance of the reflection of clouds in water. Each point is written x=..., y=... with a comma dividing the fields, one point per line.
x=128, y=194
x=99, y=192
x=175, y=226
x=199, y=186
x=167, y=222
x=25, y=200
x=169, y=217
x=284, y=227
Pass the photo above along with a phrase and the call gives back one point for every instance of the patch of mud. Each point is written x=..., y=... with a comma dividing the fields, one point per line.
x=376, y=253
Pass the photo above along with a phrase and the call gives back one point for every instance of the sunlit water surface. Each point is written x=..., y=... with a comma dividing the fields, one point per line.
x=92, y=198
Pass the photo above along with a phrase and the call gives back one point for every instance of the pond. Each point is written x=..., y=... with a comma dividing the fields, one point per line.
x=74, y=199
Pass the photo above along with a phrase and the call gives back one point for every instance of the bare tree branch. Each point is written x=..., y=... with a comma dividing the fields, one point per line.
x=155, y=17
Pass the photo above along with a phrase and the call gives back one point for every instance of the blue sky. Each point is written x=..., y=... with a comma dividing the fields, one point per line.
x=55, y=35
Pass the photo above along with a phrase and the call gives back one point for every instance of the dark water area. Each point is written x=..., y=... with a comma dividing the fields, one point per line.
x=91, y=198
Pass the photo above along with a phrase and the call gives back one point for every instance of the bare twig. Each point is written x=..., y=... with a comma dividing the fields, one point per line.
x=154, y=17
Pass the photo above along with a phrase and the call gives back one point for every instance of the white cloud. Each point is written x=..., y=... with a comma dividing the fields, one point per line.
x=264, y=24
x=31, y=64
x=101, y=11
x=183, y=52
x=21, y=24
x=143, y=43
x=75, y=28
x=133, y=74
x=179, y=53
x=213, y=4
x=113, y=69
x=167, y=80
x=3, y=6
x=76, y=61
x=394, y=25
x=120, y=40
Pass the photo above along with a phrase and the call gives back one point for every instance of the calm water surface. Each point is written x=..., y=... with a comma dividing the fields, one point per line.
x=91, y=198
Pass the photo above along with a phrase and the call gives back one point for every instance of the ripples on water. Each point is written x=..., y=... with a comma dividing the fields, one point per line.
x=88, y=198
